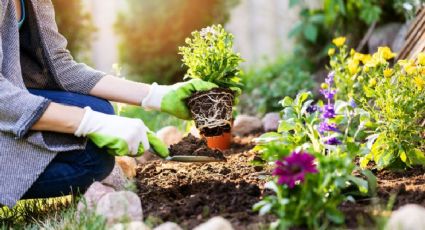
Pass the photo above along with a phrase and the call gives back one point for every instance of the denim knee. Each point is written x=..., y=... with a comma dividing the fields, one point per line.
x=100, y=163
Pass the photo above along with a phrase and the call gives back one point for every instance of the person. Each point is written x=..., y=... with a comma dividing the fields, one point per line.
x=58, y=132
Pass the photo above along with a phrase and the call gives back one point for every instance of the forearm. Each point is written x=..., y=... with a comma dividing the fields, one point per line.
x=60, y=118
x=120, y=90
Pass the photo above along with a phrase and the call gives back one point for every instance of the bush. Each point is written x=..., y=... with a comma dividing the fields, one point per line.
x=265, y=86
x=152, y=31
x=77, y=27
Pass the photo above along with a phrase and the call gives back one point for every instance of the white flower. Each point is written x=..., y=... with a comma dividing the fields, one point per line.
x=208, y=30
x=407, y=6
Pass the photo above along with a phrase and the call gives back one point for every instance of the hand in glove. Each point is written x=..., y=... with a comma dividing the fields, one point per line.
x=172, y=99
x=121, y=136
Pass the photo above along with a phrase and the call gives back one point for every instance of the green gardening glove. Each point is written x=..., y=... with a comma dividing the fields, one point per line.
x=157, y=146
x=172, y=99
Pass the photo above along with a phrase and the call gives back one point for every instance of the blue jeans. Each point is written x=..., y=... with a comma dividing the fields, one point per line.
x=74, y=171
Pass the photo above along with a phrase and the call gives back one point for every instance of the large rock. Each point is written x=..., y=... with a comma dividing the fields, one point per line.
x=408, y=217
x=120, y=206
x=93, y=194
x=383, y=36
x=128, y=166
x=215, y=223
x=170, y=135
x=400, y=38
x=168, y=226
x=271, y=122
x=136, y=225
x=244, y=125
x=116, y=179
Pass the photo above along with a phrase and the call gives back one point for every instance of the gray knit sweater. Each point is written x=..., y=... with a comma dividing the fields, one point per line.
x=33, y=57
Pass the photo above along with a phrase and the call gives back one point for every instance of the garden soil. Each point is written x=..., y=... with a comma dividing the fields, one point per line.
x=191, y=193
x=192, y=146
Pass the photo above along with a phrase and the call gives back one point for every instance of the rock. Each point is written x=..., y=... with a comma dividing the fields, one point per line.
x=383, y=36
x=93, y=194
x=128, y=166
x=244, y=125
x=400, y=38
x=116, y=179
x=120, y=206
x=146, y=157
x=136, y=225
x=170, y=135
x=215, y=223
x=271, y=122
x=168, y=226
x=408, y=217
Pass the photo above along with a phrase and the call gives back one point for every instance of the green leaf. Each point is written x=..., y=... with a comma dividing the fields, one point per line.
x=334, y=215
x=265, y=209
x=311, y=32
x=292, y=3
x=361, y=184
x=371, y=181
x=286, y=125
x=287, y=101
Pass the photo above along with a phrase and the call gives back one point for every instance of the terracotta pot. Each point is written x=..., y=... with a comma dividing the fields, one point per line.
x=221, y=142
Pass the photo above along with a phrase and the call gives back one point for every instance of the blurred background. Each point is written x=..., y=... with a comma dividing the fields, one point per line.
x=284, y=42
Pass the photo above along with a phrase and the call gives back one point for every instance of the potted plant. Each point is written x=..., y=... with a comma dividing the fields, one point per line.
x=209, y=56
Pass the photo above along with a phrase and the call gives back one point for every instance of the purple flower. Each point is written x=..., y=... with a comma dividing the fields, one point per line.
x=311, y=109
x=333, y=141
x=292, y=169
x=352, y=103
x=328, y=93
x=326, y=127
x=328, y=111
x=330, y=78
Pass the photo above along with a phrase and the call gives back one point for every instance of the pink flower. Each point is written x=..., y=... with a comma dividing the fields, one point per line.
x=292, y=169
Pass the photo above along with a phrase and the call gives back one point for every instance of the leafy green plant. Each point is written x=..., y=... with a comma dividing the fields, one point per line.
x=209, y=56
x=151, y=32
x=265, y=86
x=393, y=96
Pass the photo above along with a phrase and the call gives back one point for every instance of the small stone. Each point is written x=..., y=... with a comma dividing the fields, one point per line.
x=168, y=226
x=170, y=135
x=136, y=225
x=244, y=125
x=271, y=122
x=383, y=36
x=408, y=217
x=116, y=179
x=93, y=194
x=120, y=206
x=215, y=223
x=128, y=166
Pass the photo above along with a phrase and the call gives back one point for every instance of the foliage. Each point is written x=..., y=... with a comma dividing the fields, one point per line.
x=313, y=202
x=264, y=86
x=76, y=25
x=209, y=56
x=151, y=32
x=394, y=96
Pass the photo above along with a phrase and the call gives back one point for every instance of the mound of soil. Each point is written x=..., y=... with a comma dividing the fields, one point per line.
x=190, y=194
x=192, y=146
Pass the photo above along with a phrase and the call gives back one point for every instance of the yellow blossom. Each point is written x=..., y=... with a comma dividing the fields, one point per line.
x=366, y=68
x=388, y=72
x=421, y=59
x=360, y=78
x=410, y=69
x=324, y=86
x=385, y=53
x=420, y=82
x=372, y=82
x=331, y=51
x=353, y=66
x=352, y=52
x=339, y=41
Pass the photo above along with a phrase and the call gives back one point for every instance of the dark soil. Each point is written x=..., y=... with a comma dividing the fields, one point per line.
x=192, y=146
x=191, y=193
x=215, y=104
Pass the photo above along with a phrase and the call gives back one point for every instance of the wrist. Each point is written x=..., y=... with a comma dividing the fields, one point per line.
x=153, y=100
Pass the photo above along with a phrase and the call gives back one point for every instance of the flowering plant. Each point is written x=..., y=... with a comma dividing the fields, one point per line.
x=209, y=56
x=393, y=96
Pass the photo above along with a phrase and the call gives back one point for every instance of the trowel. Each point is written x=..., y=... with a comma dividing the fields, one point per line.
x=193, y=159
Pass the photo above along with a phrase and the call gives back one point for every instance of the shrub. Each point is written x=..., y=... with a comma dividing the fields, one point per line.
x=265, y=86
x=152, y=31
x=77, y=27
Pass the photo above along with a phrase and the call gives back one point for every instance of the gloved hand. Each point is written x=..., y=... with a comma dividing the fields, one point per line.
x=171, y=99
x=121, y=136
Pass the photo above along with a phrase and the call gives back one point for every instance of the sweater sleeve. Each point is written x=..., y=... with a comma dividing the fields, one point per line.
x=70, y=75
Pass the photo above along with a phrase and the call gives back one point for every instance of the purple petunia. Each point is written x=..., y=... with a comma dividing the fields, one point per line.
x=292, y=169
x=328, y=93
x=333, y=141
x=327, y=127
x=328, y=111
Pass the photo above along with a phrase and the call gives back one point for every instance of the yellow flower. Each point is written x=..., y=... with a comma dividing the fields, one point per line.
x=366, y=68
x=352, y=52
x=331, y=51
x=420, y=83
x=421, y=59
x=410, y=69
x=324, y=86
x=372, y=82
x=388, y=72
x=339, y=41
x=353, y=66
x=385, y=53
